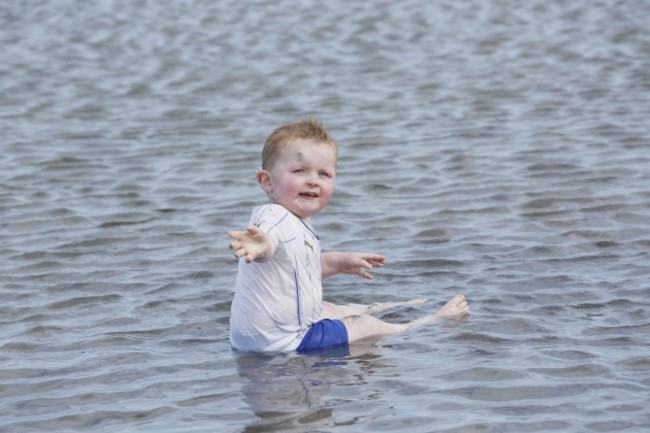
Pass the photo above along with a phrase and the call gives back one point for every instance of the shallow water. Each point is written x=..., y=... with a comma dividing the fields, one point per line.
x=491, y=148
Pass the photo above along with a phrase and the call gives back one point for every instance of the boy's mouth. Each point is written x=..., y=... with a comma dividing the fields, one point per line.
x=309, y=194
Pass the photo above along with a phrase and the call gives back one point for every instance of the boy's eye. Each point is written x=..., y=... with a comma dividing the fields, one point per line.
x=324, y=174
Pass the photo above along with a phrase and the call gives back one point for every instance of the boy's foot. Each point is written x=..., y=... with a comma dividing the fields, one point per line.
x=455, y=309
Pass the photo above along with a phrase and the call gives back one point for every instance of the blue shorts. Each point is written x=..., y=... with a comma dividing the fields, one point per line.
x=326, y=334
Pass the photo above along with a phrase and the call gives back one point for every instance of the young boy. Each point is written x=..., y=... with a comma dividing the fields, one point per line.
x=278, y=304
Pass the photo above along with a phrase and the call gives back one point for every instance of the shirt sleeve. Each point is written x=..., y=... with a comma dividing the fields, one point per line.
x=269, y=219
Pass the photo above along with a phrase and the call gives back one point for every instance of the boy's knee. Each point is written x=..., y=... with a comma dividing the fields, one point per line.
x=361, y=322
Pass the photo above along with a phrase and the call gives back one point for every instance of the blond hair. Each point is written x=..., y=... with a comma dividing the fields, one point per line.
x=307, y=129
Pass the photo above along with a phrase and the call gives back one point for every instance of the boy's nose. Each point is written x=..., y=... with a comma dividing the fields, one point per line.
x=312, y=180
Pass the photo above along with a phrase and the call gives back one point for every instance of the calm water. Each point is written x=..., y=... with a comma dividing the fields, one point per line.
x=496, y=148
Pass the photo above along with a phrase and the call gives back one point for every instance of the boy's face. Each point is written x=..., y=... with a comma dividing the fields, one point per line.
x=302, y=178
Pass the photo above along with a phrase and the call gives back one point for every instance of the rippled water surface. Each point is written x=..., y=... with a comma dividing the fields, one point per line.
x=495, y=148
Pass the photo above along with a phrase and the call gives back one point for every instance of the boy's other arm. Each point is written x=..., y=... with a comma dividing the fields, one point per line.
x=350, y=263
x=253, y=244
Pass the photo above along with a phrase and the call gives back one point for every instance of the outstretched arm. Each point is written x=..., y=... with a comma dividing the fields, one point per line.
x=350, y=263
x=253, y=244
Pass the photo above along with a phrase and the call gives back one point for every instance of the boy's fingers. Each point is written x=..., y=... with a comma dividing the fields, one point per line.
x=239, y=252
x=235, y=234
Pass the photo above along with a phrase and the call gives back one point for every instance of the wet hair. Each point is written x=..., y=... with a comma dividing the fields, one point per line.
x=306, y=129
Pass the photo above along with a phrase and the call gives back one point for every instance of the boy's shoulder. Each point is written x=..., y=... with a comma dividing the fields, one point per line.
x=273, y=214
x=271, y=210
x=272, y=207
x=277, y=221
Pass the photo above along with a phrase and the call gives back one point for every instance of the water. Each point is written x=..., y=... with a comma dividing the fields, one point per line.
x=493, y=148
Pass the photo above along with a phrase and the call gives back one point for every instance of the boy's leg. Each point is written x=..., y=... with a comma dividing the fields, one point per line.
x=365, y=326
x=333, y=311
x=378, y=307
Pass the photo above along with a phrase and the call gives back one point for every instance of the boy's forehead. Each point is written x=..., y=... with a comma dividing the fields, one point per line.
x=293, y=145
x=308, y=141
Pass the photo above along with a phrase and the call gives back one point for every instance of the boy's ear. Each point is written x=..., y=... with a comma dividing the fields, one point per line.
x=264, y=179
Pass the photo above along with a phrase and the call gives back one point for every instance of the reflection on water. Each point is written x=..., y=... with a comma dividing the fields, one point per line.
x=294, y=392
x=286, y=393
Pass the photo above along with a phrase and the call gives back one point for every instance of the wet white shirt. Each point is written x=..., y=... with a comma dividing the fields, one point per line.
x=276, y=301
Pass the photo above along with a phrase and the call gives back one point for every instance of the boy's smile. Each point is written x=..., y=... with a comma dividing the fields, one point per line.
x=302, y=178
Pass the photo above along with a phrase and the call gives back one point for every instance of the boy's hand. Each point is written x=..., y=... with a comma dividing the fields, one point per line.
x=251, y=244
x=359, y=263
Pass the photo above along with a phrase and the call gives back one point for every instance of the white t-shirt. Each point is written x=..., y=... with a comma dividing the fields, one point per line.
x=276, y=301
